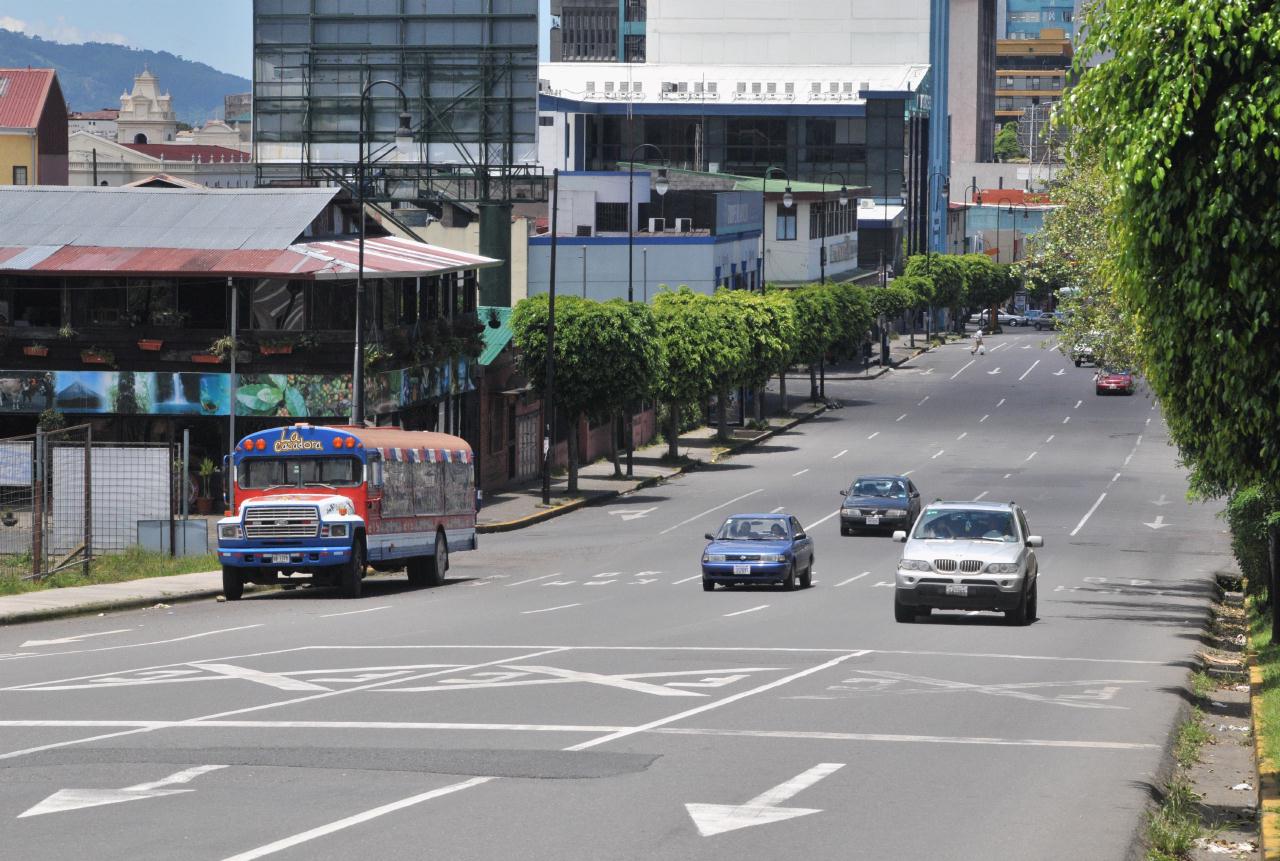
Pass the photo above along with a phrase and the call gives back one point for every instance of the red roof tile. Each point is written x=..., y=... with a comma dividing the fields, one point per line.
x=204, y=153
x=23, y=93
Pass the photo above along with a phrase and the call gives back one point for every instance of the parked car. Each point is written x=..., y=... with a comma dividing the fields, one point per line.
x=968, y=556
x=758, y=548
x=1111, y=380
x=879, y=502
x=1004, y=318
x=1047, y=320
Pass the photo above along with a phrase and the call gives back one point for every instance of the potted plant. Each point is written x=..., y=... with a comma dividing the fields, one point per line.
x=206, y=469
x=97, y=356
x=66, y=333
x=35, y=349
x=151, y=345
x=217, y=351
x=275, y=347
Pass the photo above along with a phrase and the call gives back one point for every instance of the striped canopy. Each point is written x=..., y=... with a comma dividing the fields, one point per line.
x=425, y=455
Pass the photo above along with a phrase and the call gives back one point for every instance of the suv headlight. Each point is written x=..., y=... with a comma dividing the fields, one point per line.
x=713, y=557
x=914, y=565
x=1003, y=568
x=230, y=531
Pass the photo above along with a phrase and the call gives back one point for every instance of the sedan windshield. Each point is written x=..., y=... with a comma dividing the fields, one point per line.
x=259, y=473
x=753, y=529
x=967, y=525
x=886, y=487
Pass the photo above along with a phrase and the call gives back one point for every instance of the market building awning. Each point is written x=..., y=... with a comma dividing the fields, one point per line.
x=497, y=337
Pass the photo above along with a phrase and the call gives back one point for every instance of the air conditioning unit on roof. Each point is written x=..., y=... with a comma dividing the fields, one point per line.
x=684, y=225
x=657, y=225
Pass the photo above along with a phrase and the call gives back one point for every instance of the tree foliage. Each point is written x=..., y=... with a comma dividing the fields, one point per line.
x=1007, y=146
x=1186, y=118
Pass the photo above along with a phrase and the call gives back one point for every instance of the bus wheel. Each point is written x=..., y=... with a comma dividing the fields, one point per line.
x=232, y=583
x=350, y=576
x=439, y=563
x=418, y=568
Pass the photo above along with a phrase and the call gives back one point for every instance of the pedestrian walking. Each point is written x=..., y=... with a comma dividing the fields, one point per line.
x=978, y=346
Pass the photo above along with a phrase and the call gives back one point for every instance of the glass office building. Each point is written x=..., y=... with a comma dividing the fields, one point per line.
x=1024, y=19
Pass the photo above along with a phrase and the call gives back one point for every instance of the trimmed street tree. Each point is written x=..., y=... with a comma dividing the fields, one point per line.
x=769, y=324
x=921, y=290
x=817, y=317
x=947, y=275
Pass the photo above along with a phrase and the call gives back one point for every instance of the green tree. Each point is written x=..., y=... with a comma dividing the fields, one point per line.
x=854, y=318
x=817, y=316
x=921, y=291
x=768, y=321
x=702, y=349
x=1007, y=147
x=947, y=276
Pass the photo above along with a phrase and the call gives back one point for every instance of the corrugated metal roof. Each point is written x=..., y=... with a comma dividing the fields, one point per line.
x=391, y=256
x=158, y=217
x=22, y=96
x=495, y=339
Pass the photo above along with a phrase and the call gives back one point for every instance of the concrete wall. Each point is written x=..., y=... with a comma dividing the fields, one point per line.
x=971, y=88
x=788, y=32
x=1029, y=177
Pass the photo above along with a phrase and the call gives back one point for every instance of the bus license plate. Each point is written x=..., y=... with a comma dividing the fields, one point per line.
x=873, y=521
x=960, y=589
x=279, y=558
x=741, y=569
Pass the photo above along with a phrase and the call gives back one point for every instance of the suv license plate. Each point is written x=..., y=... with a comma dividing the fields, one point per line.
x=873, y=521
x=741, y=569
x=960, y=589
x=279, y=558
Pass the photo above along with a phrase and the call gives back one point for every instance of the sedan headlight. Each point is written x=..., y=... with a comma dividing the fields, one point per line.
x=1003, y=568
x=229, y=531
x=773, y=557
x=713, y=557
x=914, y=565
x=894, y=512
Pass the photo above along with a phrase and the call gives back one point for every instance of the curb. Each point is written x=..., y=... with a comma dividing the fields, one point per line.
x=1268, y=780
x=585, y=502
x=45, y=614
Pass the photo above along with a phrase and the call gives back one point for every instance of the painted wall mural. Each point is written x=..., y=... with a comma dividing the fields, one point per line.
x=200, y=394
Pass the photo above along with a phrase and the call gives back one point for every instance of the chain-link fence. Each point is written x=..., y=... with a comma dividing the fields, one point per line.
x=65, y=499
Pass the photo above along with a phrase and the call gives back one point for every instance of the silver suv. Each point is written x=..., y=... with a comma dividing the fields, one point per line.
x=968, y=556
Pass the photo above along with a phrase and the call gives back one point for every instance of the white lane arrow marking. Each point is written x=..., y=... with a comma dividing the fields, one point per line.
x=74, y=799
x=628, y=514
x=64, y=640
x=927, y=373
x=1159, y=523
x=714, y=819
x=1163, y=500
x=1059, y=372
x=993, y=373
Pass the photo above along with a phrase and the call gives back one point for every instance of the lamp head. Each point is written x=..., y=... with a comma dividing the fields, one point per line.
x=405, y=130
x=844, y=195
x=787, y=198
x=661, y=184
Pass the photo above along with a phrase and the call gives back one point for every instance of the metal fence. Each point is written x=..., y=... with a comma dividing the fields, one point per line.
x=65, y=498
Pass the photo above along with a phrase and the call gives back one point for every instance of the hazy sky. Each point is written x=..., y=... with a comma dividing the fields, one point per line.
x=220, y=34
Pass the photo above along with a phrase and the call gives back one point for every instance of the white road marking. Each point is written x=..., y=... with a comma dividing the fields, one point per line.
x=65, y=640
x=1050, y=439
x=908, y=472
x=1033, y=454
x=354, y=612
x=687, y=579
x=926, y=397
x=1060, y=372
x=995, y=372
x=535, y=579
x=818, y=523
x=706, y=707
x=911, y=739
x=1162, y=501
x=632, y=513
x=549, y=609
x=874, y=435
x=851, y=579
x=841, y=454
x=1115, y=477
x=962, y=436
x=712, y=819
x=1067, y=419
x=939, y=454
x=1148, y=420
x=271, y=680
x=1028, y=370
x=357, y=819
x=801, y=472
x=711, y=509
x=1158, y=524
x=776, y=510
x=1000, y=403
x=1129, y=458
x=1088, y=514
x=1077, y=406
x=75, y=799
x=978, y=498
x=998, y=346
x=751, y=610
x=131, y=645
x=901, y=417
x=1008, y=474
x=984, y=418
x=521, y=676
x=962, y=370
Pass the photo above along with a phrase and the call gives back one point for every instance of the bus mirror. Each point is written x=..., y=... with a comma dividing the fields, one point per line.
x=226, y=482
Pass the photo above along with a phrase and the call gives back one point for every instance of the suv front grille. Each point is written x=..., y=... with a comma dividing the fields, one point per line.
x=944, y=565
x=282, y=521
x=971, y=566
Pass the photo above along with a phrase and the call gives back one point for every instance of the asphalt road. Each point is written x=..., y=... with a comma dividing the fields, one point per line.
x=572, y=693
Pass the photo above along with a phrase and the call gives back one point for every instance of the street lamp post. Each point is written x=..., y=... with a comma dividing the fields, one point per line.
x=884, y=273
x=357, y=371
x=818, y=384
x=787, y=201
x=660, y=185
x=549, y=399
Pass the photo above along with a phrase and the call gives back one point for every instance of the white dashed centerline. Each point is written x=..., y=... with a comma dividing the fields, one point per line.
x=1049, y=440
x=851, y=579
x=874, y=435
x=1033, y=454
x=549, y=609
x=353, y=612
x=841, y=454
x=1028, y=370
x=1077, y=406
x=686, y=580
x=817, y=523
x=801, y=472
x=978, y=498
x=984, y=418
x=711, y=509
x=926, y=397
x=1000, y=403
x=1067, y=419
x=962, y=370
x=962, y=436
x=751, y=610
x=1088, y=514
x=901, y=417
x=938, y=455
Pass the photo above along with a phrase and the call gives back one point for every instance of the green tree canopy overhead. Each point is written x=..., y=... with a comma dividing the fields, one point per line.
x=892, y=301
x=1186, y=118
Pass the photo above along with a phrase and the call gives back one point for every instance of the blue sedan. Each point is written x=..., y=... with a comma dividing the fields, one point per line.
x=758, y=548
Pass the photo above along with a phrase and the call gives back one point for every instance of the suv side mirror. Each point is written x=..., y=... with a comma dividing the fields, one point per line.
x=709, y=537
x=900, y=536
x=1035, y=541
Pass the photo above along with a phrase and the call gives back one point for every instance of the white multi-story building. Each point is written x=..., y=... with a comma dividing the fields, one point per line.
x=100, y=123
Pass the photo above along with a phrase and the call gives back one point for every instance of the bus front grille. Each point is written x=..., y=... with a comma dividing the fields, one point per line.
x=282, y=521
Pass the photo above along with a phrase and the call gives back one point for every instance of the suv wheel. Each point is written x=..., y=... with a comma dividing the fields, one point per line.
x=1031, y=604
x=903, y=613
x=1018, y=615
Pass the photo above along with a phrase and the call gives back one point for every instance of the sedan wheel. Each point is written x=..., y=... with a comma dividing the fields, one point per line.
x=708, y=586
x=806, y=579
x=790, y=583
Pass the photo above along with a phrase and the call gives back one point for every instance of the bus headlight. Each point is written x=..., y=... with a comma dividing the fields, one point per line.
x=230, y=531
x=338, y=530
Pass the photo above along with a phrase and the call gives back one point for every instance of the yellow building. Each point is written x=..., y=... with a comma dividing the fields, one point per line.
x=33, y=128
x=1030, y=72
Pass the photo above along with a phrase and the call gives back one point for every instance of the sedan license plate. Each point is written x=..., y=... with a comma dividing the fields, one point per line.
x=279, y=558
x=741, y=569
x=873, y=521
x=960, y=589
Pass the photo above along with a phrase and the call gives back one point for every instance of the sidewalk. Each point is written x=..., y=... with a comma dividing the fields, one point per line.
x=509, y=509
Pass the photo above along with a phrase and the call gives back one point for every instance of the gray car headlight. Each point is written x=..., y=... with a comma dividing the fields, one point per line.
x=1003, y=568
x=914, y=565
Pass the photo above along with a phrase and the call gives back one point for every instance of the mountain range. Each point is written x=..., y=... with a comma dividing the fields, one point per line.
x=94, y=74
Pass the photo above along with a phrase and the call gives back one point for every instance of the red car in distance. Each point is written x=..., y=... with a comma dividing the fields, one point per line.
x=1113, y=380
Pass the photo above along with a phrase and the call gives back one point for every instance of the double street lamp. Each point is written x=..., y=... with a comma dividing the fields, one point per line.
x=402, y=132
x=787, y=201
x=660, y=185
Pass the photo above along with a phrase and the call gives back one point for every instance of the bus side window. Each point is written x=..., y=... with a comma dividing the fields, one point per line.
x=426, y=489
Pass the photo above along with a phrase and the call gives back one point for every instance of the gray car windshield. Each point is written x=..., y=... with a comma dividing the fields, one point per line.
x=967, y=525
x=886, y=487
x=753, y=529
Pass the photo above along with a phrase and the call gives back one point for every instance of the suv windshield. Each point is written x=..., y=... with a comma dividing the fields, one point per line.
x=969, y=525
x=753, y=529
x=259, y=473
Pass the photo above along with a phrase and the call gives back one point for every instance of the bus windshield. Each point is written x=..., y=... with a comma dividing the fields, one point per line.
x=260, y=473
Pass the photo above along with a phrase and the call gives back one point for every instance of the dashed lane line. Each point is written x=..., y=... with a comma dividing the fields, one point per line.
x=874, y=435
x=901, y=417
x=1000, y=402
x=962, y=370
x=962, y=436
x=1050, y=439
x=1077, y=406
x=926, y=397
x=549, y=609
x=797, y=474
x=354, y=612
x=1088, y=514
x=978, y=498
x=984, y=418
x=817, y=523
x=840, y=455
x=1067, y=419
x=686, y=580
x=852, y=579
x=750, y=610
x=939, y=454
x=1033, y=454
x=701, y=514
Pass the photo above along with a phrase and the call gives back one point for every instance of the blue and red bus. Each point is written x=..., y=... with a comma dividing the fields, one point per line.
x=323, y=504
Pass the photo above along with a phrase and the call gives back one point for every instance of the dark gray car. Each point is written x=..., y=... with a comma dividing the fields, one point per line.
x=881, y=502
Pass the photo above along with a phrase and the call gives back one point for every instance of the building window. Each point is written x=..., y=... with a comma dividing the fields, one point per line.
x=786, y=223
x=611, y=218
x=19, y=174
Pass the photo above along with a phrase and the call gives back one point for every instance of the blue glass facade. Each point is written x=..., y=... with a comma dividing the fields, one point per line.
x=1024, y=19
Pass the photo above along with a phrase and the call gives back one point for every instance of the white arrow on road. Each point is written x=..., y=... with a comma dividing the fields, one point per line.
x=993, y=373
x=761, y=810
x=64, y=640
x=1059, y=372
x=1163, y=500
x=75, y=799
x=629, y=514
x=1159, y=523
